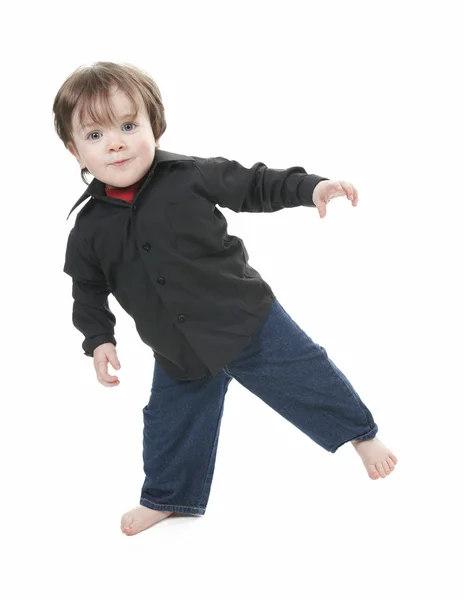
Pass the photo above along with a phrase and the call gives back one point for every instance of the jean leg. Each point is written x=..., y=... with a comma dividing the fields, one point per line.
x=294, y=376
x=181, y=430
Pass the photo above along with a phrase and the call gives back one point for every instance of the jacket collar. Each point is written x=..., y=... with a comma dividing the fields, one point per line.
x=97, y=188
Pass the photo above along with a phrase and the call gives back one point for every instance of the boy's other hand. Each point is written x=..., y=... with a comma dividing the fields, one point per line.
x=102, y=355
x=328, y=189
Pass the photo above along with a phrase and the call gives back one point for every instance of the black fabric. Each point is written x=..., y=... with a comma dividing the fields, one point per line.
x=171, y=265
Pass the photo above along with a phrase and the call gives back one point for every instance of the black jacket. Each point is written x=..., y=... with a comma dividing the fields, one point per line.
x=168, y=260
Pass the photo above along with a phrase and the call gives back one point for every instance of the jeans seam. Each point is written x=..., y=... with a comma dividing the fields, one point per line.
x=174, y=505
x=354, y=396
x=212, y=447
x=373, y=428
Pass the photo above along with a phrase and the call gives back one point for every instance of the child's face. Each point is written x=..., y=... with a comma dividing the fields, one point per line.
x=98, y=147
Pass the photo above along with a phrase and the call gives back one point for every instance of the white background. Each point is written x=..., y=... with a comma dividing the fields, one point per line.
x=360, y=91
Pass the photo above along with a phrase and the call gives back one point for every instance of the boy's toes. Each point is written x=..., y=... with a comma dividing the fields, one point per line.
x=380, y=469
x=128, y=530
x=373, y=473
x=126, y=523
x=391, y=464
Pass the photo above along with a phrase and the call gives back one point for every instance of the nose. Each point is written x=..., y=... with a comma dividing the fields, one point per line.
x=114, y=142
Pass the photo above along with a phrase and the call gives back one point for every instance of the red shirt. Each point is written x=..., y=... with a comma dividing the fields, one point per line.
x=124, y=193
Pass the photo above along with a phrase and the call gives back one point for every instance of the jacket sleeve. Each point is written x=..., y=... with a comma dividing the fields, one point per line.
x=91, y=314
x=258, y=188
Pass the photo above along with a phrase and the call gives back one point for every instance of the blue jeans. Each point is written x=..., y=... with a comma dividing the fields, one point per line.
x=283, y=367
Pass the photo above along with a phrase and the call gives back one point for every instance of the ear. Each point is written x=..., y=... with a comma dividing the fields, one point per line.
x=75, y=153
x=71, y=148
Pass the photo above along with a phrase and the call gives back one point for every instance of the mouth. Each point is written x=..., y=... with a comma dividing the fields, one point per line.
x=120, y=162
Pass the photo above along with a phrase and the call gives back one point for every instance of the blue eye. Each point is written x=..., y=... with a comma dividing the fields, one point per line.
x=93, y=132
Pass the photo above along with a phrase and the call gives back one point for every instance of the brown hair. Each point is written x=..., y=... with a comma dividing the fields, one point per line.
x=86, y=85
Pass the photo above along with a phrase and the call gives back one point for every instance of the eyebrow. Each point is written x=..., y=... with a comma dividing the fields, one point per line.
x=126, y=116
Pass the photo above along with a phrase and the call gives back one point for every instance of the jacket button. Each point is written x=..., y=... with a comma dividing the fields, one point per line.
x=161, y=280
x=181, y=318
x=146, y=247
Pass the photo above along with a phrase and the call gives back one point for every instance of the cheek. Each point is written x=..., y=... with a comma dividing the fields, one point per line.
x=92, y=156
x=145, y=150
x=146, y=145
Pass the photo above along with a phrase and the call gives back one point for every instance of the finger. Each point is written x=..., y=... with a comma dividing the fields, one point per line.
x=101, y=366
x=109, y=378
x=335, y=190
x=346, y=187
x=353, y=195
x=115, y=362
x=109, y=383
x=349, y=191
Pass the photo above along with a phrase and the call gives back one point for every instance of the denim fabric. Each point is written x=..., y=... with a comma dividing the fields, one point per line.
x=283, y=367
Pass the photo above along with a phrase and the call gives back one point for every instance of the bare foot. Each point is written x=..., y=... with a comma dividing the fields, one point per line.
x=140, y=518
x=377, y=458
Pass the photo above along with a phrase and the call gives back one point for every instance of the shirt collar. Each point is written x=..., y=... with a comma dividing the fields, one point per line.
x=96, y=188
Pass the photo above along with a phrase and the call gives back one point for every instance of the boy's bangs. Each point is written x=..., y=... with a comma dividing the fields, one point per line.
x=97, y=110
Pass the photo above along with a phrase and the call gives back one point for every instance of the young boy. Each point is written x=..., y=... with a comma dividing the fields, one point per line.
x=152, y=235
